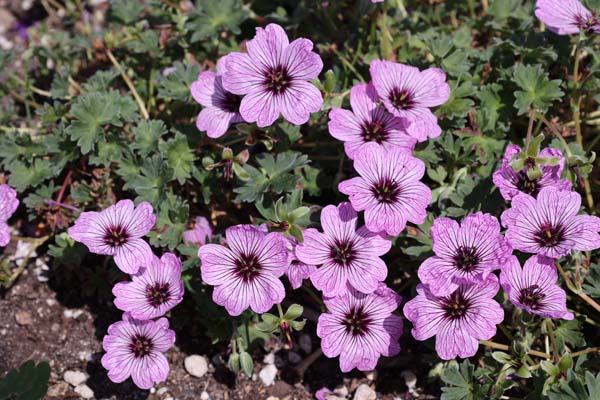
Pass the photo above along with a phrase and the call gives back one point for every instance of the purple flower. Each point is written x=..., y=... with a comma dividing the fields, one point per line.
x=388, y=188
x=274, y=77
x=409, y=93
x=360, y=328
x=464, y=254
x=323, y=393
x=368, y=122
x=8, y=205
x=348, y=256
x=534, y=287
x=246, y=274
x=135, y=348
x=221, y=108
x=154, y=290
x=549, y=225
x=297, y=271
x=566, y=17
x=512, y=183
x=459, y=320
x=200, y=234
x=117, y=231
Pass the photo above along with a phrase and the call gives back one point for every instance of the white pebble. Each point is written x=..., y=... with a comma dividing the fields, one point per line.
x=84, y=391
x=267, y=374
x=196, y=365
x=364, y=392
x=75, y=378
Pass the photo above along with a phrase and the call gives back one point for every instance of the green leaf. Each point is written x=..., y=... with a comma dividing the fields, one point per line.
x=126, y=11
x=177, y=84
x=569, y=332
x=209, y=19
x=538, y=91
x=29, y=382
x=150, y=184
x=592, y=281
x=147, y=134
x=179, y=156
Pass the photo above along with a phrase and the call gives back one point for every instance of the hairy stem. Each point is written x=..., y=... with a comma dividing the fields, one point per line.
x=504, y=347
x=129, y=84
x=575, y=290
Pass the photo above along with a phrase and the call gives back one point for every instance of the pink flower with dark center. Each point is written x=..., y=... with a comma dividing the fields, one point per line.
x=549, y=225
x=347, y=256
x=221, y=108
x=360, y=328
x=117, y=231
x=298, y=271
x=200, y=234
x=154, y=290
x=566, y=17
x=8, y=205
x=409, y=93
x=274, y=77
x=368, y=122
x=534, y=288
x=247, y=273
x=459, y=321
x=512, y=183
x=464, y=254
x=135, y=348
x=388, y=188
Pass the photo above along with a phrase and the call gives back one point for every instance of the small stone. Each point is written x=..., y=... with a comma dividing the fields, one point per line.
x=84, y=355
x=75, y=378
x=341, y=391
x=196, y=365
x=204, y=395
x=305, y=343
x=162, y=390
x=364, y=392
x=410, y=379
x=59, y=390
x=333, y=397
x=269, y=358
x=371, y=375
x=84, y=391
x=267, y=374
x=152, y=390
x=23, y=318
x=272, y=398
x=50, y=302
x=72, y=313
x=55, y=327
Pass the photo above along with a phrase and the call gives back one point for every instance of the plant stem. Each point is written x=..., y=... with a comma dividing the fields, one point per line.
x=280, y=311
x=586, y=351
x=552, y=339
x=556, y=133
x=36, y=242
x=385, y=40
x=530, y=127
x=574, y=289
x=129, y=84
x=504, y=347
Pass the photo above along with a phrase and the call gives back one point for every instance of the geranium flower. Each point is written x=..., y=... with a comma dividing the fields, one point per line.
x=549, y=225
x=117, y=231
x=368, y=122
x=154, y=290
x=200, y=234
x=247, y=273
x=274, y=77
x=8, y=205
x=512, y=183
x=348, y=256
x=409, y=93
x=566, y=17
x=388, y=188
x=459, y=321
x=298, y=271
x=463, y=254
x=534, y=287
x=135, y=348
x=360, y=328
x=221, y=107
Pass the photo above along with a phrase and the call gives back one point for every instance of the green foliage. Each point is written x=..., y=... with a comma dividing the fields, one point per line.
x=537, y=91
x=28, y=382
x=208, y=19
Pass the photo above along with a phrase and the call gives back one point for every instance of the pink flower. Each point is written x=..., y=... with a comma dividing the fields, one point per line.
x=274, y=77
x=221, y=108
x=459, y=320
x=368, y=122
x=8, y=205
x=360, y=328
x=297, y=271
x=246, y=274
x=409, y=93
x=348, y=257
x=153, y=291
x=464, y=254
x=512, y=183
x=323, y=393
x=135, y=348
x=534, y=287
x=117, y=231
x=200, y=234
x=549, y=225
x=566, y=17
x=388, y=188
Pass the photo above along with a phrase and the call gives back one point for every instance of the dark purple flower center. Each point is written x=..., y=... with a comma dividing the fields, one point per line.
x=374, y=131
x=456, y=305
x=402, y=99
x=141, y=345
x=526, y=185
x=342, y=252
x=248, y=267
x=231, y=102
x=357, y=322
x=115, y=236
x=466, y=258
x=589, y=24
x=550, y=235
x=531, y=297
x=386, y=191
x=277, y=79
x=158, y=294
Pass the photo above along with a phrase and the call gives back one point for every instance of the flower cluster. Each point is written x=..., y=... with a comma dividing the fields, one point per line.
x=8, y=205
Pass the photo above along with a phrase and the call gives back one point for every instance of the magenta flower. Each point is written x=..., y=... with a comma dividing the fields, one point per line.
x=117, y=231
x=154, y=290
x=549, y=225
x=135, y=348
x=566, y=17
x=534, y=287
x=464, y=254
x=459, y=320
x=8, y=205
x=360, y=328
x=247, y=273
x=368, y=122
x=409, y=93
x=200, y=234
x=512, y=183
x=274, y=77
x=297, y=271
x=348, y=256
x=388, y=188
x=221, y=108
